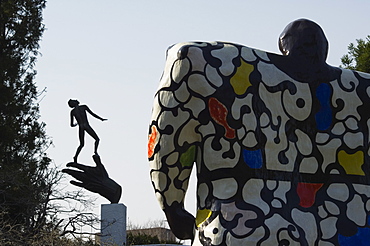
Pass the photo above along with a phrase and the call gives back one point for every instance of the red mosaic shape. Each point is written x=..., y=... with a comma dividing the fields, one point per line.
x=307, y=193
x=218, y=113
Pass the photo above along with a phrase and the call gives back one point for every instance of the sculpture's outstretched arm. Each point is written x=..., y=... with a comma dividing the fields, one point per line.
x=93, y=114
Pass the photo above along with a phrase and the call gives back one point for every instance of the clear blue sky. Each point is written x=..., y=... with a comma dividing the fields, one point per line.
x=110, y=56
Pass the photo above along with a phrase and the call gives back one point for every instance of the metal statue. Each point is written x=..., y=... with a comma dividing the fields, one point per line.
x=79, y=113
x=94, y=179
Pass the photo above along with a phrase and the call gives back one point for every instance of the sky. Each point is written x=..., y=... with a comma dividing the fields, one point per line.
x=110, y=56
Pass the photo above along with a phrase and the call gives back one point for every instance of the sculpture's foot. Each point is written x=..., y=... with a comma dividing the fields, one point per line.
x=75, y=159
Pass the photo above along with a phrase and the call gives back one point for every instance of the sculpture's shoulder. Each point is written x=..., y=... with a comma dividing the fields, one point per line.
x=208, y=63
x=82, y=108
x=349, y=75
x=212, y=50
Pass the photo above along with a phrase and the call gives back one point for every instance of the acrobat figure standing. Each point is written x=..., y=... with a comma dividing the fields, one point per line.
x=79, y=112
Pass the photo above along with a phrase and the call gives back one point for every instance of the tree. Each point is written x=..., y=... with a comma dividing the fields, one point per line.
x=30, y=200
x=26, y=180
x=142, y=234
x=143, y=239
x=24, y=174
x=358, y=57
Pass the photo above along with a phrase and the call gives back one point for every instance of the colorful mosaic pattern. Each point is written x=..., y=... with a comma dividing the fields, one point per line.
x=279, y=161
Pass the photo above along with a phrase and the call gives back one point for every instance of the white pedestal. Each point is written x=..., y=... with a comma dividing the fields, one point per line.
x=113, y=225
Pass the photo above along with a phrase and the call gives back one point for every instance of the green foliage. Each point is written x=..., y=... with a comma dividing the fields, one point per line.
x=28, y=193
x=12, y=236
x=26, y=182
x=140, y=239
x=358, y=57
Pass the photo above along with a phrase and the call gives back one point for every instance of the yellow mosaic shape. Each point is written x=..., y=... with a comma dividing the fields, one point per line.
x=352, y=162
x=202, y=215
x=240, y=81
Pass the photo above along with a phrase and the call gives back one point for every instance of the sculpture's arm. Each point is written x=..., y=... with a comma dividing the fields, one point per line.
x=93, y=114
x=172, y=151
x=171, y=160
x=72, y=120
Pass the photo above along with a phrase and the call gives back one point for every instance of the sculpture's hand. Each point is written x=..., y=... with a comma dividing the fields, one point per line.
x=181, y=222
x=90, y=177
x=95, y=179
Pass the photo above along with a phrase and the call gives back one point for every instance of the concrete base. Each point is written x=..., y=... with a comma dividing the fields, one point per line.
x=113, y=225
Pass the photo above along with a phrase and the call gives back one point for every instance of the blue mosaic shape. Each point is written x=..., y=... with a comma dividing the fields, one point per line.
x=253, y=158
x=324, y=116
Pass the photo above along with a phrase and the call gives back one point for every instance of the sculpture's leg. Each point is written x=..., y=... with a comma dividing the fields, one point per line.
x=93, y=134
x=82, y=143
x=96, y=146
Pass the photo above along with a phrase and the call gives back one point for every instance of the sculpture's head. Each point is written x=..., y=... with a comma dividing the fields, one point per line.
x=73, y=103
x=304, y=39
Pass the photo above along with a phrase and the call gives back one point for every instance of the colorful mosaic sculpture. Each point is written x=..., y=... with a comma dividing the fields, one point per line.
x=280, y=142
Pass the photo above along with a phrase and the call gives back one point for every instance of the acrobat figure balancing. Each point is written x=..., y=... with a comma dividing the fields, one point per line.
x=79, y=112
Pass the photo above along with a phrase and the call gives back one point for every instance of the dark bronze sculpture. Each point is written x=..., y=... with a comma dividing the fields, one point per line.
x=79, y=113
x=95, y=179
